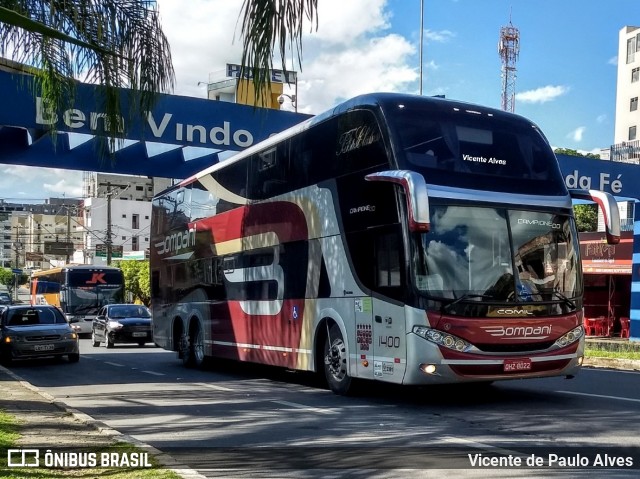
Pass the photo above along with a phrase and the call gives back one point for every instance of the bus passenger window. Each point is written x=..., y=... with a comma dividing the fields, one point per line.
x=388, y=270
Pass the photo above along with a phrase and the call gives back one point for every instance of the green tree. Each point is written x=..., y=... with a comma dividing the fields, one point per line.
x=586, y=217
x=570, y=152
x=7, y=279
x=136, y=280
x=114, y=43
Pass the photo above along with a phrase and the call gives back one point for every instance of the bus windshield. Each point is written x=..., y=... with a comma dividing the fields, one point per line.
x=88, y=290
x=498, y=255
x=90, y=300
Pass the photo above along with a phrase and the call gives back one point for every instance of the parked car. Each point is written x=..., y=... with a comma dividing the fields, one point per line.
x=122, y=323
x=5, y=298
x=36, y=331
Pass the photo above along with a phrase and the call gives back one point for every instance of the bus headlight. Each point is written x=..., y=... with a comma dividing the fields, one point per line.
x=443, y=339
x=570, y=337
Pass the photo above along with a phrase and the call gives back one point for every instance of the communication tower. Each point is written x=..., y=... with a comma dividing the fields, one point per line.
x=509, y=49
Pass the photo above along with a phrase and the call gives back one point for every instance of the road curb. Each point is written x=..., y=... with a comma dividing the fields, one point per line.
x=612, y=363
x=164, y=459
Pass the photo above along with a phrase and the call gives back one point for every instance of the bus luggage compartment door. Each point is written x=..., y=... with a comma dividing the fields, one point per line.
x=364, y=337
x=389, y=341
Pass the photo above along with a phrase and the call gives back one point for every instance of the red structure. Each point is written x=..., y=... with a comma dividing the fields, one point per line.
x=607, y=282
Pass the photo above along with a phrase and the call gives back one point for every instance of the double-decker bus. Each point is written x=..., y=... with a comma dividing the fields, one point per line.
x=78, y=290
x=396, y=238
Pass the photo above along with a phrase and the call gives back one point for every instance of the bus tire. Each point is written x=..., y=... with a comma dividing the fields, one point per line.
x=335, y=362
x=6, y=358
x=193, y=354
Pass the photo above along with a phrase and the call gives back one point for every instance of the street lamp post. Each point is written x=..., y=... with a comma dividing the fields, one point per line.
x=421, y=39
x=293, y=98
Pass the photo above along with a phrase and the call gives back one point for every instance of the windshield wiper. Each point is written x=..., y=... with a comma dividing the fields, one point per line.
x=569, y=302
x=462, y=298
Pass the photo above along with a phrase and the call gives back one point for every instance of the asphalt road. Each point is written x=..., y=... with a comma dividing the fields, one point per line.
x=266, y=419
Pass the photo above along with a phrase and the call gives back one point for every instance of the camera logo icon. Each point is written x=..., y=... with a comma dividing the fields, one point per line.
x=23, y=458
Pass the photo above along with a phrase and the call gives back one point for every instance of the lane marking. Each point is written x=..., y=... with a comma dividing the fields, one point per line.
x=304, y=407
x=114, y=364
x=153, y=373
x=600, y=396
x=481, y=445
x=214, y=386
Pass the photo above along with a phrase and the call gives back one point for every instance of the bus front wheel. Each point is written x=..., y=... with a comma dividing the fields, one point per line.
x=335, y=362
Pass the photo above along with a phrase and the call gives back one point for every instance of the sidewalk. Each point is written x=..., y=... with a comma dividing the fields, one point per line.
x=47, y=422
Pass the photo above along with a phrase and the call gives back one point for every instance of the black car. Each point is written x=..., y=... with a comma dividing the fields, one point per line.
x=122, y=323
x=5, y=298
x=36, y=331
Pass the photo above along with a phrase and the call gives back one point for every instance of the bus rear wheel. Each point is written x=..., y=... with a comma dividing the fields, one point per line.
x=193, y=349
x=335, y=362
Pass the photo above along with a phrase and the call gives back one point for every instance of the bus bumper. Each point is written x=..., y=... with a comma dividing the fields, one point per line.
x=427, y=365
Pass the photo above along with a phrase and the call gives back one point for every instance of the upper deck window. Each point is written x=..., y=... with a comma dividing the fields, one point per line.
x=475, y=149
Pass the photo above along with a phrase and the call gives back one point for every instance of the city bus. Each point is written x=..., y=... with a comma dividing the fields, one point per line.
x=78, y=290
x=396, y=238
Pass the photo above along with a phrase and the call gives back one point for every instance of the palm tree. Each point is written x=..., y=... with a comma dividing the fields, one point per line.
x=113, y=43
x=267, y=23
x=119, y=43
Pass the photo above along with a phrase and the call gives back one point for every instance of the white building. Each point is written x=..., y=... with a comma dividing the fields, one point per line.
x=117, y=208
x=627, y=136
x=5, y=239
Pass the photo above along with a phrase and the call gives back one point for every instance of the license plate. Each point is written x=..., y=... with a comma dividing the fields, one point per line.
x=517, y=365
x=139, y=335
x=43, y=347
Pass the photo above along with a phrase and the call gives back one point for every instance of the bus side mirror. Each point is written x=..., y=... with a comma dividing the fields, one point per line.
x=415, y=189
x=609, y=208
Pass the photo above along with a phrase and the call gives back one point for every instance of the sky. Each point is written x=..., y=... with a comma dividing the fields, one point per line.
x=566, y=70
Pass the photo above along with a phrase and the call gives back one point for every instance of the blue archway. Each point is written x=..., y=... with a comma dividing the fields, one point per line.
x=195, y=132
x=623, y=181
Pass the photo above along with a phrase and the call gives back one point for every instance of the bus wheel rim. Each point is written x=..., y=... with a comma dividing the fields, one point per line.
x=336, y=360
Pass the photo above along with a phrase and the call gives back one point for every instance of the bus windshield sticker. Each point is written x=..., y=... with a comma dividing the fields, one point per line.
x=366, y=305
x=431, y=282
x=482, y=159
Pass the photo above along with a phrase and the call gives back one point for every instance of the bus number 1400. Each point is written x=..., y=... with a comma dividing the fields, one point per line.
x=389, y=341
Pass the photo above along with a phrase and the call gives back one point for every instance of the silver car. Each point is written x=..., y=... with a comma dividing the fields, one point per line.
x=36, y=331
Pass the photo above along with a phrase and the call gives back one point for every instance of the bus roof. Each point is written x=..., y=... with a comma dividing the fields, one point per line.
x=370, y=101
x=74, y=267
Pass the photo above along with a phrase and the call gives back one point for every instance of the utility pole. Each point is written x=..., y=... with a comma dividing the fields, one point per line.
x=108, y=240
x=68, y=259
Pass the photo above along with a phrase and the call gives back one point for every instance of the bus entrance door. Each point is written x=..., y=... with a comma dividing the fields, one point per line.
x=389, y=341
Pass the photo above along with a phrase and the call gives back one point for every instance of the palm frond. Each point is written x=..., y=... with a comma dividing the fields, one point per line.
x=267, y=23
x=114, y=43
